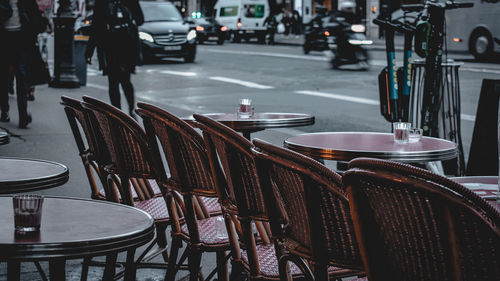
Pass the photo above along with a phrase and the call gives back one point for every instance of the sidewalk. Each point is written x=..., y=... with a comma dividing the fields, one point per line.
x=49, y=137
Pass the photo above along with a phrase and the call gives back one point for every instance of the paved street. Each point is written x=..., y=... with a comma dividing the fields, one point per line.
x=276, y=78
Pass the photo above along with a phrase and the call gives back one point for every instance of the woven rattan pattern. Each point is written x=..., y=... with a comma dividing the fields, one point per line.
x=419, y=220
x=155, y=207
x=189, y=161
x=208, y=231
x=315, y=203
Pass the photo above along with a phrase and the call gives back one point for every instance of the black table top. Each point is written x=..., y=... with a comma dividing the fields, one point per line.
x=345, y=146
x=75, y=228
x=261, y=120
x=23, y=175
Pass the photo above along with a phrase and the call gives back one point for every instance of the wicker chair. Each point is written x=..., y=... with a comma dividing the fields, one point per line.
x=87, y=148
x=95, y=155
x=131, y=161
x=191, y=175
x=243, y=199
x=412, y=224
x=309, y=213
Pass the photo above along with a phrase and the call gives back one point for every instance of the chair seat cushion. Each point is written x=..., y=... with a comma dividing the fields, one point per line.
x=212, y=205
x=156, y=207
x=154, y=187
x=269, y=263
x=209, y=235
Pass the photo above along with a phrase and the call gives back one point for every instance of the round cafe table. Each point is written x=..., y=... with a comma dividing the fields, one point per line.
x=345, y=146
x=73, y=228
x=260, y=121
x=484, y=186
x=23, y=175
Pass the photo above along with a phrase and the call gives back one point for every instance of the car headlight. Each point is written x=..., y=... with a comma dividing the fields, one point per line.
x=358, y=28
x=191, y=35
x=146, y=36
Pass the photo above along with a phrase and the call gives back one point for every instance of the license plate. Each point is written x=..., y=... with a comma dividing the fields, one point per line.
x=213, y=38
x=172, y=48
x=250, y=31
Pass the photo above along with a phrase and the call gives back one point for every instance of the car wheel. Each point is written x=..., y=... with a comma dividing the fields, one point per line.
x=190, y=57
x=235, y=38
x=481, y=44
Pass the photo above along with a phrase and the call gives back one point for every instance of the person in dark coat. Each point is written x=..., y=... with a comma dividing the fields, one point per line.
x=117, y=59
x=19, y=34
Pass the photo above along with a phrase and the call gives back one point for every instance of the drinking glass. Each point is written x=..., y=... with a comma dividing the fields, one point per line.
x=245, y=109
x=415, y=135
x=27, y=212
x=401, y=131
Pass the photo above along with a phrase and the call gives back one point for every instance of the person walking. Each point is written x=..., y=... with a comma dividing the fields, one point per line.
x=114, y=33
x=19, y=33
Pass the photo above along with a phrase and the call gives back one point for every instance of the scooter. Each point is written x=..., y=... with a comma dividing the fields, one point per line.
x=394, y=83
x=315, y=37
x=347, y=44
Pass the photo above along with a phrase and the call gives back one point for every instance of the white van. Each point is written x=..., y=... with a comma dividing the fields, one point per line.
x=244, y=18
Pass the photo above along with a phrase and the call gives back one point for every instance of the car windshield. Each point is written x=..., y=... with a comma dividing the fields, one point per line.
x=160, y=12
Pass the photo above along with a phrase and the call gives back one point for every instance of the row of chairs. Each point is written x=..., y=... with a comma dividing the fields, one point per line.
x=286, y=215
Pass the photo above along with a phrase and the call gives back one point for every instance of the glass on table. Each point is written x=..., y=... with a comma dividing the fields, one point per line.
x=245, y=109
x=401, y=131
x=27, y=212
x=415, y=135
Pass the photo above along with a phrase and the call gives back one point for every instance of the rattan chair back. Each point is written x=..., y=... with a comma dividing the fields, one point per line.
x=184, y=150
x=237, y=161
x=307, y=202
x=415, y=225
x=129, y=150
x=92, y=154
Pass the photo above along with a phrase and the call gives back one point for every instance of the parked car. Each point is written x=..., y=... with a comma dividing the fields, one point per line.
x=208, y=29
x=165, y=33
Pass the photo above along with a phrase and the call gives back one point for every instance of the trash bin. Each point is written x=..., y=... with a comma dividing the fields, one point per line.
x=79, y=56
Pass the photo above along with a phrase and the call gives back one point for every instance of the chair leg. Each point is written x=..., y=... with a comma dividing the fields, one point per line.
x=236, y=271
x=194, y=262
x=221, y=266
x=161, y=234
x=172, y=262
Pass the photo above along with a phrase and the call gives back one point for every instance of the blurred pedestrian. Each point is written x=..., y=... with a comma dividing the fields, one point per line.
x=19, y=34
x=296, y=23
x=114, y=33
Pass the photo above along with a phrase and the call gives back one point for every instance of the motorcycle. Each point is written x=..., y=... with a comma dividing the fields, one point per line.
x=347, y=44
x=315, y=37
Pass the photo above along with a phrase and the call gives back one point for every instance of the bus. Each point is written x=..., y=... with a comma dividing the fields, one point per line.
x=476, y=29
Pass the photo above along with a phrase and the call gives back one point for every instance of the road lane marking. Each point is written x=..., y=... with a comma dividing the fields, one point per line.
x=180, y=73
x=465, y=117
x=240, y=82
x=266, y=54
x=339, y=97
x=319, y=58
